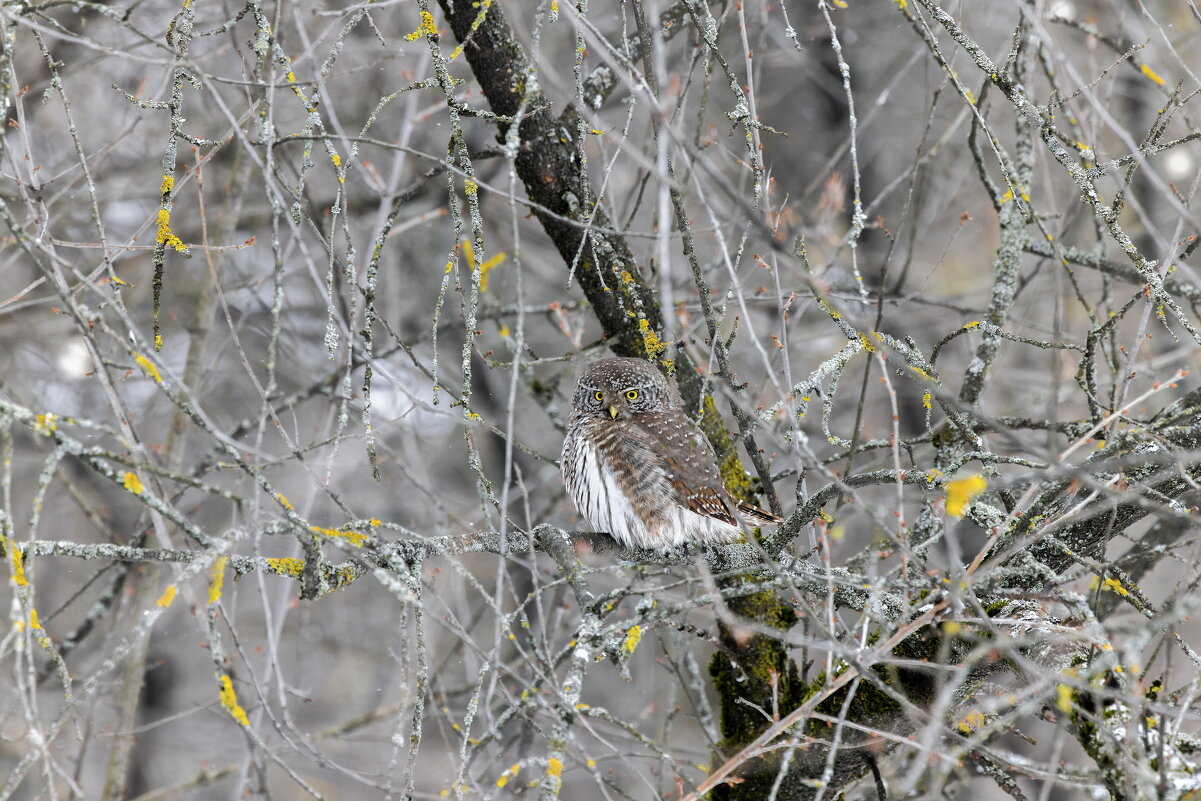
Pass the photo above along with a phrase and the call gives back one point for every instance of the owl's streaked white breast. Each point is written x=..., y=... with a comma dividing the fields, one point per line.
x=596, y=489
x=598, y=495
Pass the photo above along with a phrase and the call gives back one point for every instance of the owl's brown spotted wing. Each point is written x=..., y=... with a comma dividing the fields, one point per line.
x=702, y=500
x=691, y=468
x=757, y=514
x=689, y=463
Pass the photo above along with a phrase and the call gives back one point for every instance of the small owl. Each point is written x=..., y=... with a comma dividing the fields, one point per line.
x=638, y=467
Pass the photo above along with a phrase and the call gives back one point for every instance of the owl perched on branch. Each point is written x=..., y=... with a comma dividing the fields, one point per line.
x=638, y=467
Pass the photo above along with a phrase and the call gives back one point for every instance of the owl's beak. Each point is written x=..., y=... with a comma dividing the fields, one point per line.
x=613, y=412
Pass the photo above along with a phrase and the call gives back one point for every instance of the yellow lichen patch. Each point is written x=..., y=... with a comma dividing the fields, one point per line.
x=167, y=185
x=971, y=325
x=926, y=400
x=165, y=235
x=962, y=490
x=343, y=576
x=284, y=502
x=1150, y=73
x=951, y=627
x=487, y=267
x=971, y=721
x=286, y=566
x=916, y=371
x=148, y=368
x=353, y=537
x=217, y=579
x=554, y=768
x=470, y=187
x=484, y=5
x=167, y=597
x=45, y=423
x=427, y=28
x=650, y=340
x=633, y=637
x=229, y=700
x=1063, y=698
x=158, y=341
x=35, y=625
x=133, y=483
x=902, y=4
x=1116, y=586
x=18, y=560
x=510, y=773
x=469, y=252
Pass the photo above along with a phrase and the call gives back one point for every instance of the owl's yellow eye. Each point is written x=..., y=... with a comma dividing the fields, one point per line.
x=600, y=396
x=632, y=394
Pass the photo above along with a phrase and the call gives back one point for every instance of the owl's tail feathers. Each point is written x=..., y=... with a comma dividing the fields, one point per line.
x=757, y=514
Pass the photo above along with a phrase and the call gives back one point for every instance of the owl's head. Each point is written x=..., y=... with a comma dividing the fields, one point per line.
x=620, y=388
